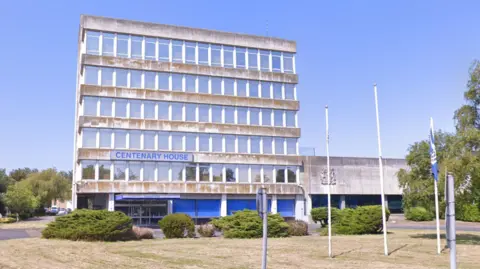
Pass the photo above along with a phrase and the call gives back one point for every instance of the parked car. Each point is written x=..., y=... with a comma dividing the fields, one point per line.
x=53, y=210
x=62, y=211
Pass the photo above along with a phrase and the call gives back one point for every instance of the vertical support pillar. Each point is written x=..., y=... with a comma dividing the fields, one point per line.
x=342, y=202
x=111, y=202
x=300, y=207
x=170, y=207
x=386, y=201
x=223, y=206
x=274, y=204
x=309, y=206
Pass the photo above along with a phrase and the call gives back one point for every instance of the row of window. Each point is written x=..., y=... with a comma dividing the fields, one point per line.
x=192, y=142
x=136, y=109
x=178, y=51
x=107, y=76
x=190, y=172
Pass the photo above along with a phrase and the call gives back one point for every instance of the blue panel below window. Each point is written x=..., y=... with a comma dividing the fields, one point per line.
x=208, y=208
x=241, y=204
x=286, y=208
x=184, y=206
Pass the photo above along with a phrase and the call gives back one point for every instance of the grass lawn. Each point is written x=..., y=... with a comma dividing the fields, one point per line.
x=409, y=249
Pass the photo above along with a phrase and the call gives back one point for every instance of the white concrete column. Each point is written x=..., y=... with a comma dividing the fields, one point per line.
x=342, y=202
x=274, y=204
x=223, y=206
x=170, y=207
x=386, y=201
x=111, y=202
x=309, y=206
x=299, y=208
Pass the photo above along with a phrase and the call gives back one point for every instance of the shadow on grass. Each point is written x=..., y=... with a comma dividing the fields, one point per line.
x=462, y=239
x=397, y=249
x=345, y=252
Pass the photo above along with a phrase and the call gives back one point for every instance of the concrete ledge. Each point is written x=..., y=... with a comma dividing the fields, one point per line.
x=191, y=69
x=185, y=33
x=183, y=187
x=184, y=126
x=205, y=157
x=187, y=97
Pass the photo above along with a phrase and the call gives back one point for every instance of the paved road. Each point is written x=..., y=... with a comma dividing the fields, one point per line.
x=18, y=233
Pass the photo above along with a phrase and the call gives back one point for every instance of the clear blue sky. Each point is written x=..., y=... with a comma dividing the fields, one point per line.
x=418, y=52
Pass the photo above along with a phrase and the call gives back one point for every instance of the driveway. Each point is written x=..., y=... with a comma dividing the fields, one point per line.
x=19, y=233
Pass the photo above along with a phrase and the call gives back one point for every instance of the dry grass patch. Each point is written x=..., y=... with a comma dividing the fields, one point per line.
x=296, y=252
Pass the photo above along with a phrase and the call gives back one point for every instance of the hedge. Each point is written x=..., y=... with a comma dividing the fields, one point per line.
x=470, y=212
x=320, y=215
x=177, y=226
x=418, y=214
x=8, y=220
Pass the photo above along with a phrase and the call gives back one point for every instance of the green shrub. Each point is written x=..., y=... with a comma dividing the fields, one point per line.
x=247, y=224
x=362, y=220
x=297, y=228
x=177, y=226
x=470, y=212
x=8, y=220
x=206, y=230
x=91, y=225
x=320, y=215
x=21, y=216
x=418, y=214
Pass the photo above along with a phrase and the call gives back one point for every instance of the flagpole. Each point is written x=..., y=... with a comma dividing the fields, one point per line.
x=434, y=165
x=380, y=164
x=329, y=209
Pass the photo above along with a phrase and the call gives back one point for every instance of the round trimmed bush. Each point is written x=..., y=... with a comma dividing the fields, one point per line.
x=297, y=228
x=91, y=225
x=361, y=220
x=177, y=226
x=320, y=215
x=418, y=214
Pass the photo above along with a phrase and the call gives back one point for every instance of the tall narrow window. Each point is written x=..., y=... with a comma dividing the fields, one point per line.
x=276, y=61
x=121, y=108
x=119, y=170
x=217, y=144
x=89, y=138
x=202, y=53
x=217, y=172
x=90, y=106
x=107, y=44
x=104, y=170
x=135, y=109
x=203, y=111
x=203, y=84
x=190, y=142
x=241, y=88
x=253, y=88
x=243, y=175
x=255, y=144
x=177, y=111
x=256, y=173
x=164, y=81
x=291, y=174
x=240, y=57
x=191, y=172
x=93, y=42
x=252, y=59
x=230, y=143
x=177, y=171
x=122, y=46
x=204, y=142
x=277, y=91
x=177, y=84
x=177, y=50
x=134, y=139
x=177, y=141
x=267, y=173
x=242, y=115
x=280, y=174
x=163, y=141
x=149, y=110
x=91, y=75
x=135, y=79
x=216, y=85
x=265, y=60
x=106, y=107
x=229, y=114
x=163, y=171
x=266, y=117
x=191, y=112
x=137, y=47
x=292, y=146
x=121, y=77
x=163, y=108
x=190, y=83
x=120, y=139
x=148, y=171
x=105, y=138
x=228, y=56
x=164, y=50
x=150, y=80
x=267, y=145
x=290, y=91
x=290, y=115
x=190, y=48
x=149, y=140
x=254, y=116
x=266, y=90
x=134, y=171
x=150, y=44
x=242, y=144
x=279, y=147
x=230, y=173
x=204, y=172
x=228, y=86
x=216, y=55
x=278, y=117
x=217, y=114
x=287, y=62
x=88, y=169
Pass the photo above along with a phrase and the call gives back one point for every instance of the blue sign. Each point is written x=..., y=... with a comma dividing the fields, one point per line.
x=151, y=156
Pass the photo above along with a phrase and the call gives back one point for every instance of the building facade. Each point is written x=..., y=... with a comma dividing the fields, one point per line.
x=174, y=119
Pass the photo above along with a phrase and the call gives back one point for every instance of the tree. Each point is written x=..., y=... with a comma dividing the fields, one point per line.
x=5, y=181
x=20, y=199
x=48, y=185
x=468, y=116
x=22, y=173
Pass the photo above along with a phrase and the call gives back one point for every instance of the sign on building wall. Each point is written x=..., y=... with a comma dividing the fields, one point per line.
x=151, y=156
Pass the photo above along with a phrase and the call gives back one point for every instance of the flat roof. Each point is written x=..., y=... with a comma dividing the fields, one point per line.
x=185, y=33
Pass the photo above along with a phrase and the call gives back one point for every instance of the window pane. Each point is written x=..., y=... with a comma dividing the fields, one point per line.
x=243, y=173
x=190, y=52
x=291, y=174
x=89, y=138
x=276, y=61
x=265, y=60
x=135, y=79
x=266, y=90
x=267, y=174
x=240, y=57
x=121, y=78
x=163, y=50
x=107, y=76
x=287, y=62
x=88, y=170
x=256, y=172
x=215, y=52
x=191, y=142
x=134, y=171
x=204, y=172
x=277, y=91
x=163, y=171
x=120, y=139
x=228, y=56
x=90, y=106
x=105, y=138
x=279, y=148
x=106, y=107
x=217, y=114
x=177, y=141
x=163, y=81
x=228, y=86
x=149, y=140
x=216, y=85
x=150, y=44
x=290, y=116
x=119, y=170
x=163, y=110
x=229, y=114
x=163, y=138
x=191, y=172
x=121, y=108
x=254, y=116
x=177, y=111
x=278, y=117
x=93, y=42
x=190, y=83
x=122, y=46
x=230, y=143
x=203, y=84
x=203, y=111
x=241, y=88
x=91, y=75
x=135, y=109
x=150, y=80
x=217, y=173
x=203, y=54
x=177, y=82
x=252, y=59
x=280, y=174
x=191, y=112
x=267, y=145
x=137, y=47
x=289, y=92
x=253, y=88
x=230, y=173
x=135, y=137
x=177, y=51
x=149, y=110
x=291, y=146
x=177, y=171
x=242, y=115
x=266, y=117
x=104, y=170
x=242, y=144
x=255, y=144
x=148, y=171
x=204, y=142
x=217, y=143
